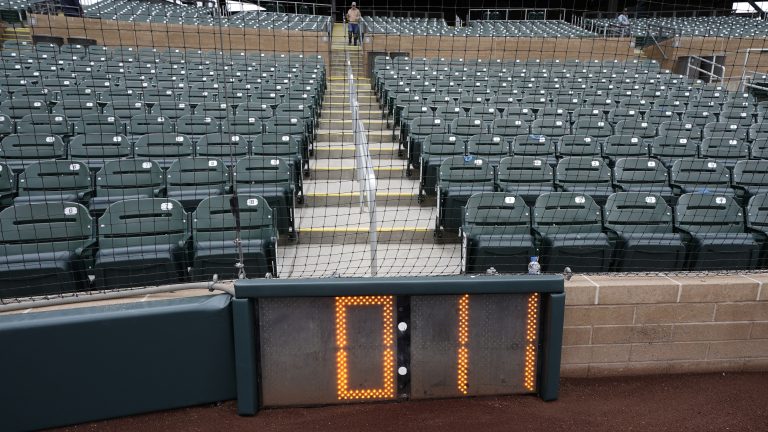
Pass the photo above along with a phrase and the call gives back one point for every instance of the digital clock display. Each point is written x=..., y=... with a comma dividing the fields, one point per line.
x=321, y=342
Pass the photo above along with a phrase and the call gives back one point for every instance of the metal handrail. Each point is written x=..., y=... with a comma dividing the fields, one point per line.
x=364, y=172
x=713, y=76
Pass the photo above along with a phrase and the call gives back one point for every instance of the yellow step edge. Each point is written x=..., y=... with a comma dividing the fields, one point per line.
x=352, y=147
x=362, y=229
x=355, y=194
x=353, y=168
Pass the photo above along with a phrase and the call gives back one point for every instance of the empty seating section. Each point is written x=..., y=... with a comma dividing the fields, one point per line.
x=438, y=27
x=702, y=26
x=100, y=170
x=599, y=162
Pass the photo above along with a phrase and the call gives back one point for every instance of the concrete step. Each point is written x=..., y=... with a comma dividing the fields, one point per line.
x=338, y=135
x=344, y=169
x=347, y=150
x=370, y=124
x=348, y=260
x=366, y=112
x=362, y=97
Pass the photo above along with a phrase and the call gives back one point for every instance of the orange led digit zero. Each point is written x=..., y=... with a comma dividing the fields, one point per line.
x=463, y=354
x=531, y=329
x=388, y=341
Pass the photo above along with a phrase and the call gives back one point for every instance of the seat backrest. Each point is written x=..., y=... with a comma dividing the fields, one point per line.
x=674, y=147
x=624, y=145
x=487, y=146
x=54, y=176
x=32, y=147
x=145, y=124
x=680, y=129
x=99, y=146
x=76, y=108
x=757, y=213
x=524, y=170
x=578, y=145
x=222, y=145
x=467, y=127
x=637, y=212
x=708, y=213
x=725, y=129
x=701, y=173
x=509, y=127
x=279, y=145
x=54, y=124
x=129, y=175
x=550, y=127
x=262, y=170
x=595, y=128
x=18, y=108
x=44, y=227
x=724, y=148
x=163, y=145
x=497, y=213
x=196, y=171
x=443, y=144
x=197, y=124
x=99, y=124
x=751, y=173
x=214, y=219
x=565, y=213
x=465, y=170
x=217, y=110
x=533, y=145
x=143, y=222
x=641, y=128
x=640, y=170
x=582, y=170
x=422, y=126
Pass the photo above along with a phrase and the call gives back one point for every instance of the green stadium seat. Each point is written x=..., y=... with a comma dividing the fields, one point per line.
x=55, y=181
x=76, y=108
x=643, y=233
x=7, y=185
x=700, y=175
x=124, y=179
x=142, y=242
x=46, y=249
x=436, y=148
x=225, y=146
x=670, y=149
x=95, y=149
x=99, y=124
x=757, y=222
x=272, y=179
x=459, y=178
x=50, y=124
x=146, y=124
x=750, y=178
x=242, y=125
x=284, y=147
x=569, y=233
x=222, y=226
x=19, y=151
x=497, y=232
x=714, y=231
x=163, y=148
x=190, y=180
x=584, y=175
x=525, y=176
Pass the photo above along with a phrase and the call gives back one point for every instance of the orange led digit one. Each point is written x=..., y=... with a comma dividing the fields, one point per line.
x=463, y=360
x=388, y=361
x=532, y=318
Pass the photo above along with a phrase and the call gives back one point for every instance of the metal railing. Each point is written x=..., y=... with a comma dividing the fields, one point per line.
x=715, y=71
x=748, y=77
x=364, y=172
x=506, y=14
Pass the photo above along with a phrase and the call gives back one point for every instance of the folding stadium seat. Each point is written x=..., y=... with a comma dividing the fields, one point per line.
x=555, y=113
x=509, y=128
x=750, y=178
x=45, y=249
x=225, y=146
x=215, y=228
x=713, y=94
x=256, y=110
x=18, y=108
x=142, y=242
x=7, y=125
x=598, y=130
x=31, y=93
x=725, y=151
x=535, y=103
x=20, y=150
x=270, y=178
x=160, y=94
x=590, y=113
x=497, y=232
x=680, y=129
x=216, y=110
x=534, y=145
x=670, y=149
x=126, y=108
x=284, y=147
x=193, y=179
x=466, y=127
x=758, y=130
x=419, y=129
x=525, y=176
x=407, y=115
x=643, y=233
x=569, y=233
x=618, y=114
x=759, y=149
x=639, y=128
x=294, y=127
x=242, y=125
x=730, y=130
x=459, y=178
x=146, y=124
x=77, y=92
x=714, y=232
x=197, y=125
x=757, y=223
x=402, y=102
x=489, y=147
x=126, y=179
x=163, y=148
x=99, y=124
x=584, y=175
x=701, y=176
x=55, y=181
x=550, y=128
x=620, y=146
x=635, y=104
x=643, y=175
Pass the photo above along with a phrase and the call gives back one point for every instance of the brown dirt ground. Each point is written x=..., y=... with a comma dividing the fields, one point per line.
x=714, y=402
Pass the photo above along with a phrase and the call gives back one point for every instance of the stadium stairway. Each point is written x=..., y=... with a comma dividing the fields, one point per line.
x=16, y=33
x=333, y=226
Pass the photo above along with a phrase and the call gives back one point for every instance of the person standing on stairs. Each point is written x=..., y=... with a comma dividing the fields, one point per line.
x=353, y=18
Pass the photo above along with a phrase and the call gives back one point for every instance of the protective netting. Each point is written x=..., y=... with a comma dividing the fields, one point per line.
x=147, y=142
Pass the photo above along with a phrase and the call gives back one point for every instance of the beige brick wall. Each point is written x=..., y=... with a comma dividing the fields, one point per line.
x=659, y=324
